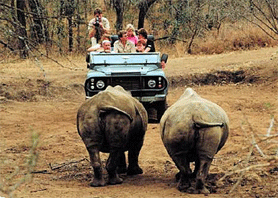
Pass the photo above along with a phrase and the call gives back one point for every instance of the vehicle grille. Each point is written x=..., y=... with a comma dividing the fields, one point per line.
x=125, y=73
x=128, y=83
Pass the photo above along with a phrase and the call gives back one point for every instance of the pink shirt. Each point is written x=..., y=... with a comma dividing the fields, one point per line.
x=133, y=39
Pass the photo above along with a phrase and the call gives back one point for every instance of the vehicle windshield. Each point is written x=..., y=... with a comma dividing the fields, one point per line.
x=106, y=59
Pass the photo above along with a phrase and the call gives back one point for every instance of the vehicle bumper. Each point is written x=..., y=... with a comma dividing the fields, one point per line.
x=150, y=99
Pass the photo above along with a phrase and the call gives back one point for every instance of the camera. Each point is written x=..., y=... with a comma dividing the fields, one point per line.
x=96, y=22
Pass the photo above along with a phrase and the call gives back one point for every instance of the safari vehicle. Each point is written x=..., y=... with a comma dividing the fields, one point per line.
x=139, y=73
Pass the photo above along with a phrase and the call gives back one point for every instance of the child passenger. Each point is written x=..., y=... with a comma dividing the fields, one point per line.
x=141, y=45
x=131, y=35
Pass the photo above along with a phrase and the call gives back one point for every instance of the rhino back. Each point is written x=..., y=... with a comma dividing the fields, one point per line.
x=185, y=112
x=108, y=102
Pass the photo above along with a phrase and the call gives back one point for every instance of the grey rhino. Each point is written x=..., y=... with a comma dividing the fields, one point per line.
x=112, y=122
x=193, y=130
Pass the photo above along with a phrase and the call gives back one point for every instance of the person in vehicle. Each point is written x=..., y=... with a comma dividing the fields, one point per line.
x=143, y=34
x=105, y=47
x=98, y=26
x=123, y=45
x=99, y=46
x=140, y=47
x=149, y=47
x=131, y=35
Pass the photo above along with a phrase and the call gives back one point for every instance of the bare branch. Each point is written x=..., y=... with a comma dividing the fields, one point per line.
x=66, y=163
x=270, y=127
x=6, y=45
x=260, y=28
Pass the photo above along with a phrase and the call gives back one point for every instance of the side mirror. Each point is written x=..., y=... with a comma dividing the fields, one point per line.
x=164, y=57
x=88, y=58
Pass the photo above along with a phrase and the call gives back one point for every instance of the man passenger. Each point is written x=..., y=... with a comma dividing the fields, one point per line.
x=123, y=45
x=98, y=26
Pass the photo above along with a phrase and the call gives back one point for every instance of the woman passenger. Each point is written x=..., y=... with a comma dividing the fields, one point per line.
x=131, y=35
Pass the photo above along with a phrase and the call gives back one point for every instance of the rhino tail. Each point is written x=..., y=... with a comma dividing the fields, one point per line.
x=204, y=124
x=107, y=109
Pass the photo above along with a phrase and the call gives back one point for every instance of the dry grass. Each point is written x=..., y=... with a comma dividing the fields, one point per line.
x=230, y=37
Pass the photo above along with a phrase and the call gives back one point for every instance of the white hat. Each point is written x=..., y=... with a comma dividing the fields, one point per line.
x=106, y=41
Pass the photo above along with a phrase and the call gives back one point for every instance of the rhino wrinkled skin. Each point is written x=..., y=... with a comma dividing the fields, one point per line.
x=193, y=130
x=113, y=122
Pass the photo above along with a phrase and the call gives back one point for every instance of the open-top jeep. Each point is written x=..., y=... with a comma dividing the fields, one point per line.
x=139, y=73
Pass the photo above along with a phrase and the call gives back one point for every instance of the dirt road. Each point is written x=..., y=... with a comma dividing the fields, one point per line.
x=44, y=97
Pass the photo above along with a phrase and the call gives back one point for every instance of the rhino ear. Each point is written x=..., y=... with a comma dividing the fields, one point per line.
x=111, y=108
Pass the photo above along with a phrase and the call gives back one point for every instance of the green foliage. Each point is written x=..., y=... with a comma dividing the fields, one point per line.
x=268, y=105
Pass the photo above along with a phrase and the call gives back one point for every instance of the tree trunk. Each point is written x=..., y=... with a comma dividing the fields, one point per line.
x=144, y=6
x=118, y=5
x=70, y=33
x=37, y=27
x=60, y=26
x=189, y=50
x=21, y=27
x=68, y=9
x=78, y=27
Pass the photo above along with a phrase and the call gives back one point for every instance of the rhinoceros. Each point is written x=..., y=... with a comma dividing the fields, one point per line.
x=112, y=122
x=193, y=129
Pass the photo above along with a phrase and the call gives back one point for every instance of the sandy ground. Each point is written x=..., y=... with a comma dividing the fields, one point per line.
x=43, y=97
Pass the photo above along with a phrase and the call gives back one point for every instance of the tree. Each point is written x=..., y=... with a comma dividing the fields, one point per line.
x=263, y=14
x=179, y=17
x=119, y=7
x=20, y=24
x=39, y=31
x=125, y=10
x=68, y=9
x=143, y=6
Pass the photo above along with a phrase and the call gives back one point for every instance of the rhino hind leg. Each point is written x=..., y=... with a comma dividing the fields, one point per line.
x=98, y=179
x=122, y=164
x=183, y=177
x=197, y=167
x=134, y=170
x=133, y=155
x=202, y=175
x=133, y=166
x=111, y=166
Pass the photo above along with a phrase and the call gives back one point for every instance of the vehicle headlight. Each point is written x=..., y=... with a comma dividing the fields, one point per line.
x=91, y=84
x=100, y=84
x=151, y=83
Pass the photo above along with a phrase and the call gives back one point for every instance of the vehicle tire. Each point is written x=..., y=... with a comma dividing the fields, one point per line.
x=161, y=108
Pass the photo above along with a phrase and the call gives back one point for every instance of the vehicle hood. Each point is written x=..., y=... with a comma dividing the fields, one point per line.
x=125, y=70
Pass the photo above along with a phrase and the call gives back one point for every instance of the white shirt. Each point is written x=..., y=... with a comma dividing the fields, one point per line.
x=120, y=48
x=104, y=21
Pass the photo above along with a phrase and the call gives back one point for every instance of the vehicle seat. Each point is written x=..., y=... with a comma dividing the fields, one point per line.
x=150, y=37
x=113, y=38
